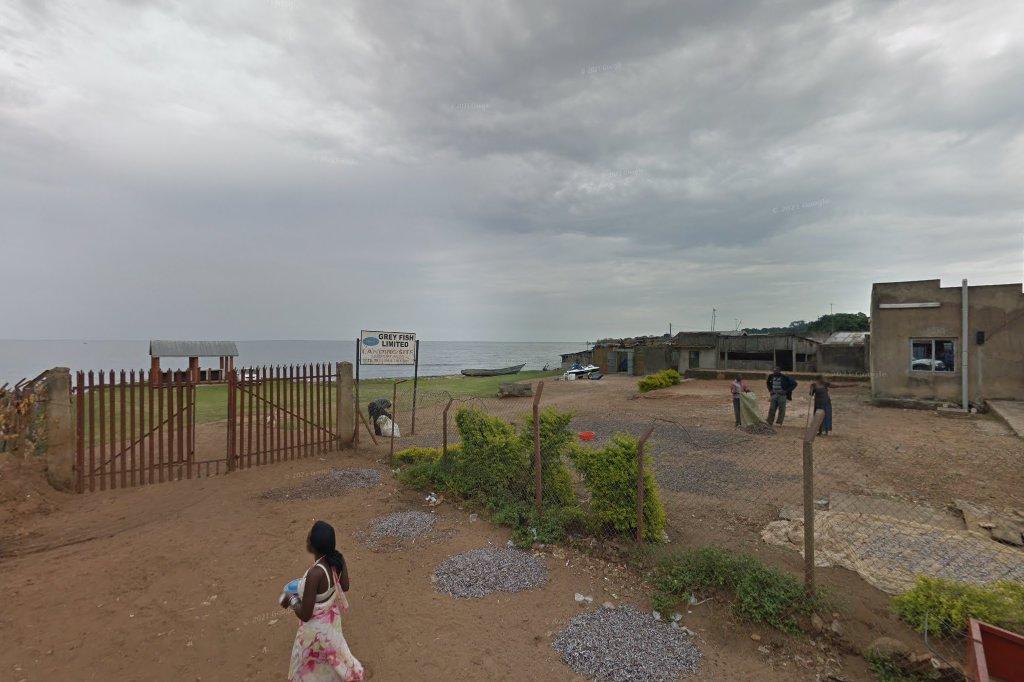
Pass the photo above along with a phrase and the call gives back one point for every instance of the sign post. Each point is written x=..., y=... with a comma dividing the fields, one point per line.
x=389, y=348
x=359, y=412
x=415, y=381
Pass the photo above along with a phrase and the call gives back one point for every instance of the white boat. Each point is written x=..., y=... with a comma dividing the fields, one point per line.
x=582, y=371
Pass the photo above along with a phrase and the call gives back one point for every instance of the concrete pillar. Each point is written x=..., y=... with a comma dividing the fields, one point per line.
x=56, y=441
x=345, y=421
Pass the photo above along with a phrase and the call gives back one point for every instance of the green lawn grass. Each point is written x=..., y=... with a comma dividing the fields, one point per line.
x=432, y=389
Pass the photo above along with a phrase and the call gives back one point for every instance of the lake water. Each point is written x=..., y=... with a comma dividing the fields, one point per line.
x=26, y=359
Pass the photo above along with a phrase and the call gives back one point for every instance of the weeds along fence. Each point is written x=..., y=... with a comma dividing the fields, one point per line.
x=444, y=423
x=913, y=526
x=18, y=405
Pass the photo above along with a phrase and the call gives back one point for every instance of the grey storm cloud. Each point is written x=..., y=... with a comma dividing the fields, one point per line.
x=531, y=170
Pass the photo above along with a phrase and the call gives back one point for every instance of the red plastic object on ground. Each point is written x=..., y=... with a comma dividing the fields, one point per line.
x=994, y=653
x=587, y=435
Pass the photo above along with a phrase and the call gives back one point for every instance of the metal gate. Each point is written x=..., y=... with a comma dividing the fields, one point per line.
x=281, y=413
x=132, y=430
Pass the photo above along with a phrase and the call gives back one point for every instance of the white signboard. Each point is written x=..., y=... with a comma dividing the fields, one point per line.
x=387, y=348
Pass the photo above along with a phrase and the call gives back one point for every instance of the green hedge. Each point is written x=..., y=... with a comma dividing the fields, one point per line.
x=948, y=604
x=493, y=468
x=418, y=454
x=663, y=379
x=610, y=475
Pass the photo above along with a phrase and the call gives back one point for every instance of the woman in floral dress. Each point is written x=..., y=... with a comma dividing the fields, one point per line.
x=320, y=651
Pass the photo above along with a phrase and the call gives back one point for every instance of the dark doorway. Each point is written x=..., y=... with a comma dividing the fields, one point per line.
x=694, y=359
x=784, y=359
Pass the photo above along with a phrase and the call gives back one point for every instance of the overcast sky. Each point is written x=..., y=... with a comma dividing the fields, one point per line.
x=494, y=170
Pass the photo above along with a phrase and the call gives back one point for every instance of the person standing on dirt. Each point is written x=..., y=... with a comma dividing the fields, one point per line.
x=739, y=387
x=320, y=651
x=822, y=401
x=780, y=391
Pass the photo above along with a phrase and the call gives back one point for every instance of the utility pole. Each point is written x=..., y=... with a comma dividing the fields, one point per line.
x=832, y=317
x=714, y=313
x=670, y=330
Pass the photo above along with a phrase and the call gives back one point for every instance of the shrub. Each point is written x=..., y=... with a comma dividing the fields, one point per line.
x=556, y=444
x=761, y=594
x=422, y=475
x=948, y=604
x=663, y=379
x=493, y=465
x=419, y=454
x=610, y=476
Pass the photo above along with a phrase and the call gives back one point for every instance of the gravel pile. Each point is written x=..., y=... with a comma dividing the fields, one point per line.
x=626, y=645
x=406, y=525
x=332, y=484
x=483, y=571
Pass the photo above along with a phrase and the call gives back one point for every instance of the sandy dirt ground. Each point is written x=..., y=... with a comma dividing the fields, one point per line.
x=179, y=580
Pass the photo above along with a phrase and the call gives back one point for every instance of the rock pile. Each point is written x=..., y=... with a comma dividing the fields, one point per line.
x=482, y=571
x=626, y=645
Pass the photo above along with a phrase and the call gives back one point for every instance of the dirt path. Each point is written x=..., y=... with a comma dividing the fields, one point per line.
x=179, y=581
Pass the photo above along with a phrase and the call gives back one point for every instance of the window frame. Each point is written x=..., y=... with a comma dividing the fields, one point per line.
x=933, y=340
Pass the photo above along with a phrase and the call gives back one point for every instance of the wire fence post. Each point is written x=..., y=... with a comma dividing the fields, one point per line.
x=444, y=430
x=538, y=478
x=232, y=388
x=394, y=419
x=641, y=488
x=359, y=409
x=415, y=383
x=812, y=431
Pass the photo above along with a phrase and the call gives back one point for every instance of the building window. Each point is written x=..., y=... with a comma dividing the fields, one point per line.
x=932, y=355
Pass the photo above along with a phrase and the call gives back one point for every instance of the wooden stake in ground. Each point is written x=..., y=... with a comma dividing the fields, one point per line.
x=809, y=434
x=640, y=487
x=538, y=479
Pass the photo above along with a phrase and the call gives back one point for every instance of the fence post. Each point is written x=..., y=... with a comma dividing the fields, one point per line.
x=343, y=406
x=394, y=417
x=641, y=489
x=812, y=431
x=232, y=381
x=538, y=477
x=444, y=431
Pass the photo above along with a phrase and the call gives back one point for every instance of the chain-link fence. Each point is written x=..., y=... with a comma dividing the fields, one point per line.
x=896, y=494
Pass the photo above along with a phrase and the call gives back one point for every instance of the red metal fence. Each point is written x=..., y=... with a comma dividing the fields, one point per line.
x=137, y=428
x=131, y=430
x=280, y=413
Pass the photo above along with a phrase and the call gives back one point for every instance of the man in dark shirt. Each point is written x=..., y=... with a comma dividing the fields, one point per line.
x=780, y=391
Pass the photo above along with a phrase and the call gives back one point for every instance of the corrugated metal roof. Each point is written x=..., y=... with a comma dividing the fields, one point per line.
x=847, y=338
x=189, y=349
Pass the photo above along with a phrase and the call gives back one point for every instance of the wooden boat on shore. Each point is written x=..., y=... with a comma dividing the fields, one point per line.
x=514, y=369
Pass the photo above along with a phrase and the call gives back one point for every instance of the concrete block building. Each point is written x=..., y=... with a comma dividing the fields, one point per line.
x=918, y=339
